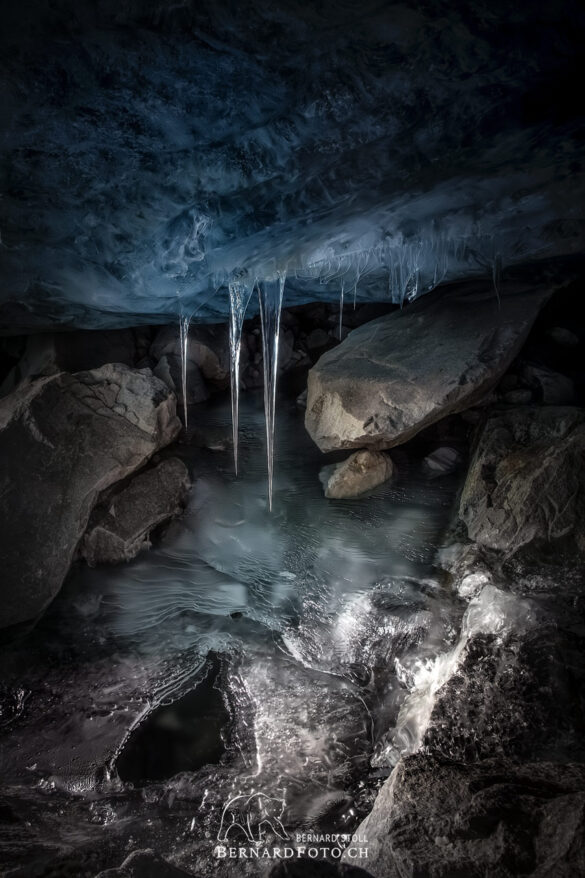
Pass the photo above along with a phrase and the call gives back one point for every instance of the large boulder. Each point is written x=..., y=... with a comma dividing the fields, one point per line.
x=394, y=376
x=438, y=819
x=120, y=524
x=80, y=350
x=526, y=481
x=63, y=440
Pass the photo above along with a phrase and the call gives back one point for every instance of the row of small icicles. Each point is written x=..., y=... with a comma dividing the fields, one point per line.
x=407, y=279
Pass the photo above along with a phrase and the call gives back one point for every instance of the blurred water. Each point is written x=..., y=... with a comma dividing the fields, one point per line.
x=305, y=614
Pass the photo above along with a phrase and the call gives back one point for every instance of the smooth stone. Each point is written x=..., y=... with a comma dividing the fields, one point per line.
x=526, y=479
x=442, y=461
x=359, y=473
x=394, y=376
x=120, y=524
x=63, y=440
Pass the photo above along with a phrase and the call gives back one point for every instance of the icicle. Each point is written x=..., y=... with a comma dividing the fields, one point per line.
x=183, y=340
x=270, y=293
x=341, y=310
x=239, y=297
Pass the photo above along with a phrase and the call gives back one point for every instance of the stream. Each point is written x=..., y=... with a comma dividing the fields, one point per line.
x=246, y=653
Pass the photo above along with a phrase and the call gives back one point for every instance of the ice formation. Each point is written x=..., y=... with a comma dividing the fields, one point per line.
x=270, y=295
x=240, y=293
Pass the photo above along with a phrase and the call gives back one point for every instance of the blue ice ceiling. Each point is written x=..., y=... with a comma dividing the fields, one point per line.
x=152, y=150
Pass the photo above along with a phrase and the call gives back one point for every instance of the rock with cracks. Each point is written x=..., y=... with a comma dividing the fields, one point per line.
x=440, y=819
x=526, y=481
x=396, y=375
x=120, y=525
x=63, y=440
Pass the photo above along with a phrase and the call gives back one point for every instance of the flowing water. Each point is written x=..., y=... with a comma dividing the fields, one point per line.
x=248, y=652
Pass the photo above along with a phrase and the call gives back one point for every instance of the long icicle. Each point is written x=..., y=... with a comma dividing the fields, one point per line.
x=239, y=297
x=270, y=294
x=341, y=309
x=184, y=340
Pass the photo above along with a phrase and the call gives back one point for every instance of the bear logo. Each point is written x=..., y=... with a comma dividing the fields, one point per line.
x=251, y=815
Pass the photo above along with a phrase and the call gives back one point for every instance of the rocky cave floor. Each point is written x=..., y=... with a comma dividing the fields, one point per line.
x=406, y=665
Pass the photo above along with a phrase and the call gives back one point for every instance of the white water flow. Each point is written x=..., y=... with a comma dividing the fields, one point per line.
x=270, y=294
x=184, y=340
x=340, y=310
x=239, y=297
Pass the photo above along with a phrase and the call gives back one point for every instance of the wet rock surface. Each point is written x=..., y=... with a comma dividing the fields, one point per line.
x=526, y=482
x=396, y=375
x=63, y=440
x=120, y=524
x=440, y=819
x=361, y=472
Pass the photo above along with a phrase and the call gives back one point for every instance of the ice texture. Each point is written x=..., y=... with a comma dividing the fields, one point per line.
x=154, y=148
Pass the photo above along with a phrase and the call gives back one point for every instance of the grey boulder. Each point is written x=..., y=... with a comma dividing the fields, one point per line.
x=359, y=473
x=526, y=481
x=394, y=376
x=63, y=440
x=120, y=524
x=439, y=819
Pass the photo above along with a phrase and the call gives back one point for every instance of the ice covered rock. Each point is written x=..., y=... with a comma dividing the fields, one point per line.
x=396, y=375
x=360, y=472
x=438, y=818
x=120, y=524
x=63, y=440
x=526, y=481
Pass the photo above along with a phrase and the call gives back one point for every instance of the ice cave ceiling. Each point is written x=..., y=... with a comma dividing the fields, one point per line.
x=151, y=148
